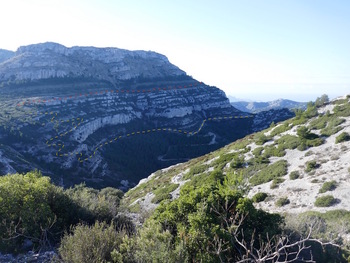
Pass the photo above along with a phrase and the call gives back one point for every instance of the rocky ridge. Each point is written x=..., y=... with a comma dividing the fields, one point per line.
x=108, y=116
x=52, y=60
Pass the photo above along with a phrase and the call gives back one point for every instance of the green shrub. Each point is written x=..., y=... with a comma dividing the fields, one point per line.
x=302, y=146
x=282, y=201
x=314, y=142
x=328, y=186
x=343, y=137
x=94, y=204
x=325, y=201
x=33, y=208
x=342, y=110
x=288, y=142
x=303, y=132
x=271, y=150
x=237, y=162
x=309, y=153
x=90, y=244
x=311, y=165
x=276, y=182
x=279, y=129
x=41, y=211
x=294, y=175
x=257, y=151
x=259, y=197
x=333, y=126
x=261, y=138
x=319, y=123
x=270, y=172
x=163, y=193
x=194, y=170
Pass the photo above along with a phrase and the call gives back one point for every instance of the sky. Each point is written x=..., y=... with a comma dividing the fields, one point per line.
x=252, y=49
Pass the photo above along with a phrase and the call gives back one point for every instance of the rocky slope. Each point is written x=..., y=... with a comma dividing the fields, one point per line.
x=108, y=116
x=293, y=168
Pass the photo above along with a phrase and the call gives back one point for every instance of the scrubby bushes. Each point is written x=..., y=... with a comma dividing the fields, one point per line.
x=282, y=201
x=294, y=175
x=163, y=193
x=288, y=142
x=279, y=129
x=31, y=208
x=276, y=182
x=259, y=197
x=333, y=126
x=270, y=172
x=311, y=165
x=261, y=138
x=325, y=201
x=91, y=244
x=328, y=186
x=343, y=137
x=237, y=162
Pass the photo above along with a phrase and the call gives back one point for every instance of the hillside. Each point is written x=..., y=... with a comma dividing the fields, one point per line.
x=108, y=116
x=255, y=107
x=204, y=210
x=283, y=161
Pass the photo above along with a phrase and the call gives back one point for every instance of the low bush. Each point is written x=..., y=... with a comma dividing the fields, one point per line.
x=311, y=165
x=325, y=201
x=272, y=150
x=333, y=126
x=288, y=142
x=319, y=123
x=257, y=151
x=328, y=186
x=279, y=129
x=314, y=142
x=90, y=244
x=270, y=172
x=282, y=201
x=342, y=110
x=164, y=193
x=294, y=175
x=343, y=137
x=276, y=182
x=259, y=197
x=261, y=138
x=237, y=162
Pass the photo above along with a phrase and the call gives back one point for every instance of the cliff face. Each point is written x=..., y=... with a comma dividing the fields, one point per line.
x=109, y=116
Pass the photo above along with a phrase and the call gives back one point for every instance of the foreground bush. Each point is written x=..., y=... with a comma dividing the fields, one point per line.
x=26, y=209
x=35, y=213
x=91, y=244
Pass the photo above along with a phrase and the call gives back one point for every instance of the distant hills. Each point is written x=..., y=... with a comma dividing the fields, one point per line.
x=109, y=116
x=254, y=107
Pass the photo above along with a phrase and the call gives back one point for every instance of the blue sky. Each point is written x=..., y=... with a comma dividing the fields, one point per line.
x=257, y=50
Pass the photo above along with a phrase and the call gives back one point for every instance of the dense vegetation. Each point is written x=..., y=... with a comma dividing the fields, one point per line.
x=33, y=211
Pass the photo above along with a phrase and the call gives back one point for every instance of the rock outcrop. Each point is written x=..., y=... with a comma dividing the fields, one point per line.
x=52, y=60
